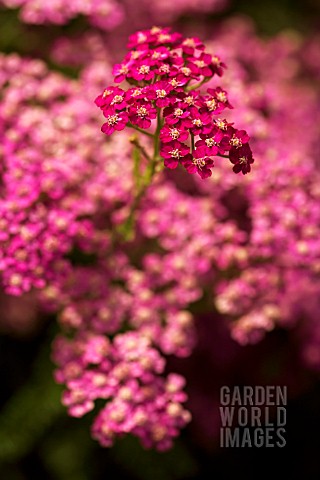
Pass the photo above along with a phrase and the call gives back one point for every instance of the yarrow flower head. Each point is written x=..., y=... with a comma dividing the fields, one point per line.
x=165, y=71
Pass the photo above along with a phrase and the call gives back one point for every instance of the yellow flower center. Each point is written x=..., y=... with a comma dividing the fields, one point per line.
x=186, y=71
x=144, y=69
x=174, y=133
x=189, y=100
x=174, y=82
x=211, y=104
x=189, y=42
x=221, y=96
x=200, y=63
x=112, y=119
x=117, y=99
x=199, y=162
x=210, y=142
x=142, y=112
x=136, y=92
x=235, y=142
x=141, y=37
x=175, y=153
x=161, y=93
x=163, y=37
x=178, y=112
x=155, y=30
x=164, y=68
x=221, y=124
x=197, y=122
x=106, y=93
x=135, y=55
x=243, y=160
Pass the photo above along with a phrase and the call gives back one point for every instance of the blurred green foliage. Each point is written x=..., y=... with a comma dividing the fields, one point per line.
x=272, y=16
x=30, y=411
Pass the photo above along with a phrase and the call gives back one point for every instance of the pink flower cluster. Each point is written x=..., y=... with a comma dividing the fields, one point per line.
x=40, y=223
x=128, y=373
x=162, y=67
x=168, y=11
x=105, y=14
x=109, y=14
x=283, y=250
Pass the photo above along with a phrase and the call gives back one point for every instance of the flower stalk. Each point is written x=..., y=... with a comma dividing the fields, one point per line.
x=165, y=72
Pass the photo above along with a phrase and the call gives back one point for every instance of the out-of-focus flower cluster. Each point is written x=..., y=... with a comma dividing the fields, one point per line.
x=109, y=14
x=162, y=67
x=241, y=251
x=167, y=11
x=281, y=262
x=105, y=14
x=44, y=216
x=127, y=372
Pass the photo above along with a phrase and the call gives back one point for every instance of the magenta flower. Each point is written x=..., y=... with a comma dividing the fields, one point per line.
x=141, y=114
x=200, y=122
x=120, y=72
x=212, y=142
x=168, y=38
x=177, y=114
x=163, y=70
x=136, y=55
x=188, y=99
x=178, y=81
x=242, y=159
x=115, y=121
x=221, y=96
x=215, y=102
x=203, y=64
x=139, y=39
x=112, y=97
x=189, y=45
x=160, y=54
x=154, y=37
x=136, y=93
x=170, y=133
x=173, y=153
x=199, y=163
x=187, y=72
x=142, y=71
x=239, y=138
x=102, y=100
x=160, y=93
x=222, y=124
x=217, y=66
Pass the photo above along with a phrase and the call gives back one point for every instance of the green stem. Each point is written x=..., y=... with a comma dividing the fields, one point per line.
x=136, y=166
x=140, y=130
x=134, y=140
x=152, y=166
x=142, y=184
x=198, y=85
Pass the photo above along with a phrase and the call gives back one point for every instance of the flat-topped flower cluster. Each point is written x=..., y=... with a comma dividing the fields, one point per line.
x=165, y=71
